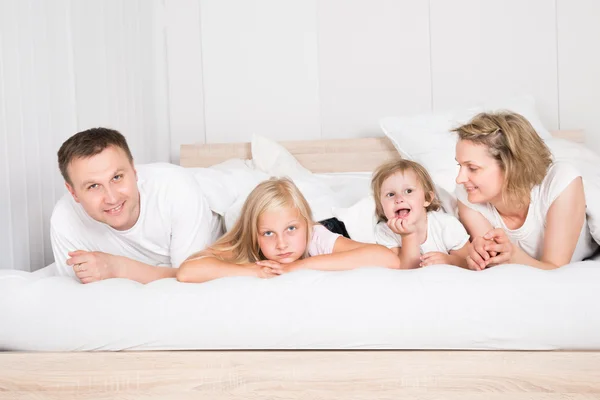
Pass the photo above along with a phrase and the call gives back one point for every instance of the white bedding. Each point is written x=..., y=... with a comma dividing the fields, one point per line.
x=440, y=307
x=509, y=307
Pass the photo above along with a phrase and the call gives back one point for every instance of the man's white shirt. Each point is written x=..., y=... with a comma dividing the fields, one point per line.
x=175, y=221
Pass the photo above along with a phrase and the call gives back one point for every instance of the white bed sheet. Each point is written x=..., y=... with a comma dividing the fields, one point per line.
x=509, y=307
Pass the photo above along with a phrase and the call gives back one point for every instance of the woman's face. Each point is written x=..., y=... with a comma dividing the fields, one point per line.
x=479, y=173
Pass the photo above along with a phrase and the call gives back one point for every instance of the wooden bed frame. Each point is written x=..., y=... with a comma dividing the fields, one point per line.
x=464, y=375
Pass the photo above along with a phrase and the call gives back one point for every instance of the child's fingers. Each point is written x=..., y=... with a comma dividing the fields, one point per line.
x=480, y=249
x=430, y=261
x=274, y=271
x=477, y=259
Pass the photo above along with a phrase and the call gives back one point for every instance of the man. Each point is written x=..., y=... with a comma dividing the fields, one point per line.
x=119, y=222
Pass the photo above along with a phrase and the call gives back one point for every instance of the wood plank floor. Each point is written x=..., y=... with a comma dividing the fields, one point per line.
x=427, y=375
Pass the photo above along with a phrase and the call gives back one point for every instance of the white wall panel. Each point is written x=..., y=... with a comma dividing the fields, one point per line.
x=260, y=69
x=489, y=50
x=66, y=66
x=579, y=67
x=184, y=60
x=373, y=63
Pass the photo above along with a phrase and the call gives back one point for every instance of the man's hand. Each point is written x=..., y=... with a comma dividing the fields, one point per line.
x=91, y=266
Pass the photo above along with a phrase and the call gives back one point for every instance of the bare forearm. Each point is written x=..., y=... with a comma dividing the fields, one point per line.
x=520, y=257
x=210, y=268
x=410, y=253
x=141, y=272
x=458, y=261
x=366, y=256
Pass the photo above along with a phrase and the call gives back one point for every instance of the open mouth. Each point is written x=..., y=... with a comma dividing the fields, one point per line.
x=402, y=213
x=470, y=189
x=115, y=210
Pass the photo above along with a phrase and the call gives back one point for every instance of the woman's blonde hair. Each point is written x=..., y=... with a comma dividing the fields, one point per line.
x=388, y=169
x=240, y=243
x=516, y=146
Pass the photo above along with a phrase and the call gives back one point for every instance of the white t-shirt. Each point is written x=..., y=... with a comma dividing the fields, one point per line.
x=444, y=233
x=530, y=236
x=175, y=221
x=322, y=241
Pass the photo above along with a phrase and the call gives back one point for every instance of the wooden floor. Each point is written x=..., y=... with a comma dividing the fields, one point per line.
x=301, y=375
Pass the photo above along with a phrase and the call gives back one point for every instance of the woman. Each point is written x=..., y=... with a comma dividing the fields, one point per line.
x=516, y=203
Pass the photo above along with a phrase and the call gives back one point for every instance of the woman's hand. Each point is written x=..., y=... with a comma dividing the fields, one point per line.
x=500, y=245
x=478, y=258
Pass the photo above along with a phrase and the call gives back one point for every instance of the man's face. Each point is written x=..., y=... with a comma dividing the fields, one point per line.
x=106, y=187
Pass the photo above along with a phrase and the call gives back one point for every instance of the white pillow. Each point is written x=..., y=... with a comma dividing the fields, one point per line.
x=359, y=219
x=275, y=160
x=224, y=183
x=524, y=105
x=587, y=162
x=426, y=138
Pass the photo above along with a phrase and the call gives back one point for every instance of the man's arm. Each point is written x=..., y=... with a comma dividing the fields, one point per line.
x=192, y=221
x=91, y=266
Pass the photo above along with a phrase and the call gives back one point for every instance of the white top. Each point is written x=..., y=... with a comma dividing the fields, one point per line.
x=444, y=233
x=175, y=221
x=530, y=236
x=322, y=241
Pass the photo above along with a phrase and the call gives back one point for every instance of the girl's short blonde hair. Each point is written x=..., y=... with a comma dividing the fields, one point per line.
x=388, y=169
x=241, y=242
x=513, y=142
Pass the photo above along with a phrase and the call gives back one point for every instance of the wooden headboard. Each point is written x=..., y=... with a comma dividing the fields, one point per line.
x=332, y=155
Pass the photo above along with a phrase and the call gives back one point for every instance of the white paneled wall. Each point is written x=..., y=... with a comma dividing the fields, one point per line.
x=185, y=72
x=167, y=72
x=260, y=69
x=579, y=67
x=66, y=66
x=374, y=61
x=486, y=50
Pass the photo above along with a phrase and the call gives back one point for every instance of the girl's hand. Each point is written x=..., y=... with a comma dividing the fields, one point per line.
x=500, y=245
x=401, y=226
x=267, y=269
x=433, y=258
x=279, y=268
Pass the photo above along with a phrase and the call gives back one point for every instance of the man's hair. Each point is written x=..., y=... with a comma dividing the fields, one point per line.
x=88, y=143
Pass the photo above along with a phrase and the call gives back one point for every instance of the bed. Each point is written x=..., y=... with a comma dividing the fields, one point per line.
x=321, y=372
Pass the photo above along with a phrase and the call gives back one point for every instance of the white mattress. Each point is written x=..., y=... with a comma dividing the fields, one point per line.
x=439, y=307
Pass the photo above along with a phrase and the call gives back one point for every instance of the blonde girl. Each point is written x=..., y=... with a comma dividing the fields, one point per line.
x=276, y=234
x=410, y=222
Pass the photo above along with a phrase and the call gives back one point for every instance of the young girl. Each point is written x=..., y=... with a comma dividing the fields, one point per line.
x=409, y=221
x=276, y=234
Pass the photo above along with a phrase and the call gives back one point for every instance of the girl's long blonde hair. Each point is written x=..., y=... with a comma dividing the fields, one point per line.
x=513, y=142
x=240, y=244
